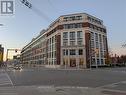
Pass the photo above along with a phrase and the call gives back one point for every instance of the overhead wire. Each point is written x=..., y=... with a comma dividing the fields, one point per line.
x=1, y=24
x=36, y=10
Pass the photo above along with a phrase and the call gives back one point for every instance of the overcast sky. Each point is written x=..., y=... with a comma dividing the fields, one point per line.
x=25, y=24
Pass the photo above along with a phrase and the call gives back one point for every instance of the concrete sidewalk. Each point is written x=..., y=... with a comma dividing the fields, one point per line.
x=51, y=90
x=48, y=90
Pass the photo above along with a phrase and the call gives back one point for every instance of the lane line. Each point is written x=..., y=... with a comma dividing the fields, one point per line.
x=9, y=79
x=109, y=84
x=114, y=90
x=8, y=93
x=4, y=83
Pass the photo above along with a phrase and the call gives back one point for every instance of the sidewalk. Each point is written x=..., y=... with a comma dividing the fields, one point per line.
x=48, y=90
x=51, y=90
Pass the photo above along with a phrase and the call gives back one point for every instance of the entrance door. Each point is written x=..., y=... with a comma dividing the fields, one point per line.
x=72, y=62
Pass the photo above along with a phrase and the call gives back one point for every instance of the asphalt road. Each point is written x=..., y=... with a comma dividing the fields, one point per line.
x=35, y=81
x=81, y=78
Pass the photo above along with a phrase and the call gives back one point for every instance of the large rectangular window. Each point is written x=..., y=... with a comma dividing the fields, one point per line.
x=53, y=39
x=97, y=45
x=100, y=39
x=72, y=52
x=80, y=42
x=80, y=52
x=98, y=62
x=72, y=35
x=74, y=25
x=65, y=35
x=65, y=43
x=96, y=37
x=79, y=34
x=65, y=52
x=92, y=44
x=72, y=43
x=92, y=36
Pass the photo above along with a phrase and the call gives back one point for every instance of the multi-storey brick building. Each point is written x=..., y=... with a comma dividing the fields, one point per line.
x=1, y=54
x=71, y=40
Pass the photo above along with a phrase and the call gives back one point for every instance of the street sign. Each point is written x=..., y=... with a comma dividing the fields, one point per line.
x=26, y=3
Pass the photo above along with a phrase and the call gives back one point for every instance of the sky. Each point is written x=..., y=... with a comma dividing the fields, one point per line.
x=19, y=29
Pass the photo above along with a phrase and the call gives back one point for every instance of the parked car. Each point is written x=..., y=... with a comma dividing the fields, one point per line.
x=17, y=67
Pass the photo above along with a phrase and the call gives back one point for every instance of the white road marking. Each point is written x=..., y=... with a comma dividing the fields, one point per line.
x=9, y=79
x=5, y=79
x=110, y=85
x=8, y=94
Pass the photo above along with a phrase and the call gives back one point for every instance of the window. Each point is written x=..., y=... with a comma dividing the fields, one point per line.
x=104, y=42
x=52, y=39
x=52, y=46
x=78, y=17
x=78, y=25
x=101, y=46
x=80, y=52
x=72, y=43
x=65, y=18
x=80, y=42
x=72, y=52
x=72, y=18
x=81, y=61
x=98, y=62
x=102, y=61
x=65, y=43
x=89, y=18
x=100, y=38
x=96, y=37
x=72, y=35
x=65, y=52
x=92, y=36
x=93, y=61
x=74, y=25
x=52, y=55
x=102, y=55
x=55, y=54
x=79, y=34
x=65, y=35
x=97, y=45
x=92, y=44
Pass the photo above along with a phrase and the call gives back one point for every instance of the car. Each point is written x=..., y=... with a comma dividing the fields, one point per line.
x=17, y=68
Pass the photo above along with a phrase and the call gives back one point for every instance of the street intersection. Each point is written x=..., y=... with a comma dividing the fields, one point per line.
x=42, y=81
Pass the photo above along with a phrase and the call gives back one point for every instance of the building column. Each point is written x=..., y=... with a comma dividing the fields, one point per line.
x=58, y=48
x=87, y=45
x=77, y=62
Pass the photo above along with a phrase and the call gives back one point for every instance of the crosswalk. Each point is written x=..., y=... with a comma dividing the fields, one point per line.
x=8, y=91
x=6, y=85
x=5, y=80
